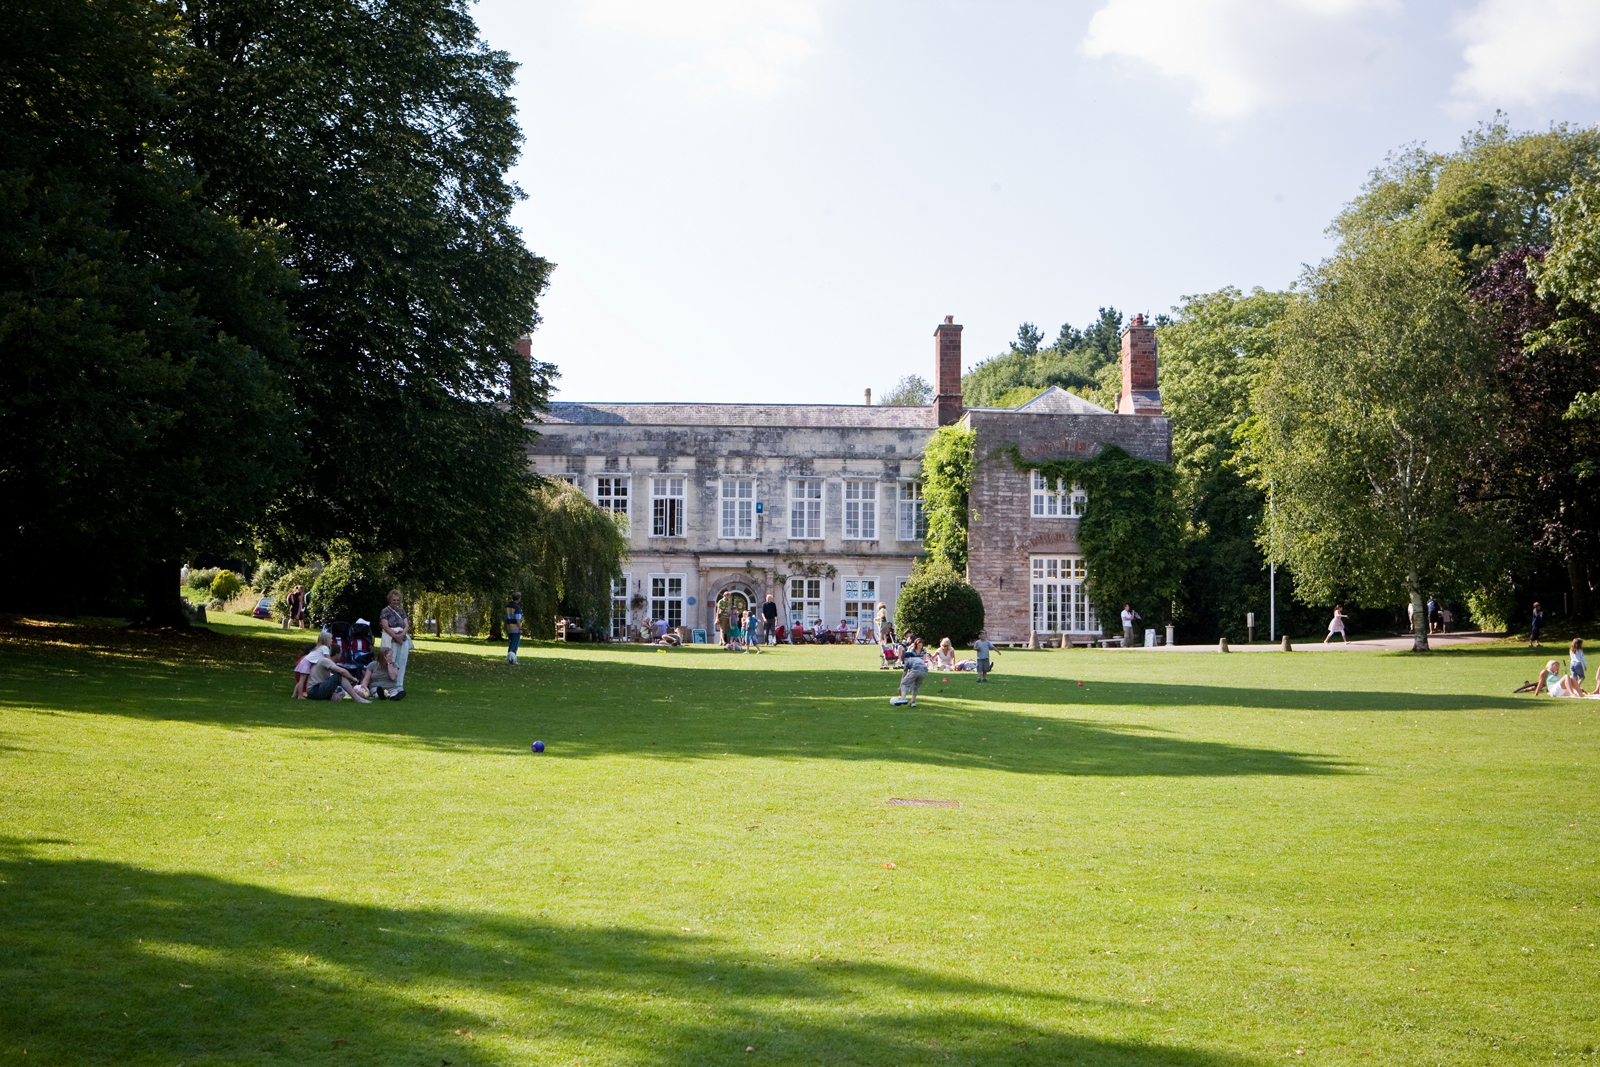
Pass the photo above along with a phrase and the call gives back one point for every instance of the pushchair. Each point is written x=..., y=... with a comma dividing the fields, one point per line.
x=890, y=657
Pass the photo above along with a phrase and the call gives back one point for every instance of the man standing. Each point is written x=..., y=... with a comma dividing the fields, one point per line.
x=769, y=619
x=514, y=627
x=1129, y=617
x=724, y=621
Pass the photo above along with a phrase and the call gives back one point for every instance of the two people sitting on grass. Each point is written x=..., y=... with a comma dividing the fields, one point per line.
x=318, y=675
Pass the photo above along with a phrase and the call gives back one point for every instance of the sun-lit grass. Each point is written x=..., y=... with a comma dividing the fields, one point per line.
x=1189, y=859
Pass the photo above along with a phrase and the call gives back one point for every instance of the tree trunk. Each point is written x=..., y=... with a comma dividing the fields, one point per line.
x=163, y=605
x=1578, y=575
x=1419, y=614
x=494, y=623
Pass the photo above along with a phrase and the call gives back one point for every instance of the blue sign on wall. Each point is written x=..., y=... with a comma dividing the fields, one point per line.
x=758, y=507
x=691, y=602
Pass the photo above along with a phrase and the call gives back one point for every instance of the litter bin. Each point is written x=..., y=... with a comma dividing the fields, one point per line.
x=1149, y=639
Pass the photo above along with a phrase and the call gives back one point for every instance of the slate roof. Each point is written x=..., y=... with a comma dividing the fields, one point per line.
x=1055, y=401
x=822, y=415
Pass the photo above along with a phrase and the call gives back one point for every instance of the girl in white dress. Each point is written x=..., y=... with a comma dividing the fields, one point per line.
x=1337, y=625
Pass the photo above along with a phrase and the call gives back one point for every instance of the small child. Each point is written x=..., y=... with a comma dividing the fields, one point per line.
x=1578, y=666
x=983, y=648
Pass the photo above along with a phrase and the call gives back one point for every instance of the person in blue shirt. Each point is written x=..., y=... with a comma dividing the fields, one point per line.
x=514, y=626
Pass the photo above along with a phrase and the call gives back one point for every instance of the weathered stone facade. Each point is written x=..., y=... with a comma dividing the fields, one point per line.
x=837, y=486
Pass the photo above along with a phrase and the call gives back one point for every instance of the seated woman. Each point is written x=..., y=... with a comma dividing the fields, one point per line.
x=1552, y=681
x=944, y=657
x=382, y=675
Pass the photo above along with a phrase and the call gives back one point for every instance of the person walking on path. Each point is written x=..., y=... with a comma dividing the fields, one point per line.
x=1337, y=625
x=1433, y=615
x=397, y=639
x=1536, y=626
x=769, y=619
x=983, y=648
x=513, y=627
x=915, y=669
x=297, y=608
x=1129, y=617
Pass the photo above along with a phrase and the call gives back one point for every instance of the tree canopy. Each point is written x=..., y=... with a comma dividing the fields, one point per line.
x=1076, y=361
x=1379, y=397
x=259, y=286
x=912, y=391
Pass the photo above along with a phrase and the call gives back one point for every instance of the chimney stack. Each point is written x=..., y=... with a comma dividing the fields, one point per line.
x=525, y=347
x=1140, y=393
x=947, y=380
x=869, y=398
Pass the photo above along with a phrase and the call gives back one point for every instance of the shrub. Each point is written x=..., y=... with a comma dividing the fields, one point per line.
x=225, y=586
x=348, y=588
x=200, y=580
x=266, y=575
x=937, y=602
x=1492, y=606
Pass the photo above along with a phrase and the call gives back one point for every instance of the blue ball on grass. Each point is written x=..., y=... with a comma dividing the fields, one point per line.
x=538, y=746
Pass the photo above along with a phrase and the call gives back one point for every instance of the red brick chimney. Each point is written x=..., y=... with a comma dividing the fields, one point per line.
x=947, y=380
x=525, y=347
x=1140, y=393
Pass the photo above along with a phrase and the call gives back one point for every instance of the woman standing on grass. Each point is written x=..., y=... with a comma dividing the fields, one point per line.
x=397, y=639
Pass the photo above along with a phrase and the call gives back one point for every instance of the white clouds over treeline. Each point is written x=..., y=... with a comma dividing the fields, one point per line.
x=1241, y=57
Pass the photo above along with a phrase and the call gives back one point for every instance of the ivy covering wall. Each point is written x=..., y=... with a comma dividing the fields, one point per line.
x=947, y=461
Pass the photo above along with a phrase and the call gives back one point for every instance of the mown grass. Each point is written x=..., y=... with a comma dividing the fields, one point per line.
x=1190, y=859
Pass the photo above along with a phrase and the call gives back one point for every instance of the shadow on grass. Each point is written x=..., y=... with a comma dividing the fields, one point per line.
x=587, y=707
x=108, y=963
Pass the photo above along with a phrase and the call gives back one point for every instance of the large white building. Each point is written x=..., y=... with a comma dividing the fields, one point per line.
x=820, y=505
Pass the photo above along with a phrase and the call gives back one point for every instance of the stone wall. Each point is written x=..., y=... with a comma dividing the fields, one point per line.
x=1003, y=533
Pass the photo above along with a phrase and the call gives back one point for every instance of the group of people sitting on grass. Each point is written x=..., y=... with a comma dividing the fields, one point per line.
x=1552, y=681
x=915, y=662
x=346, y=663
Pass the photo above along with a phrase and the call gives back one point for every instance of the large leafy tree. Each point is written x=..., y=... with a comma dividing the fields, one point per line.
x=1213, y=351
x=141, y=330
x=1380, y=397
x=1545, y=464
x=378, y=134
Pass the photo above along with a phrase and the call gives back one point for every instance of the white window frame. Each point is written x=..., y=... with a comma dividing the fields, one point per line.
x=860, y=510
x=611, y=494
x=1058, y=602
x=1056, y=502
x=664, y=594
x=805, y=509
x=810, y=605
x=912, y=511
x=863, y=599
x=738, y=511
x=619, y=606
x=668, y=502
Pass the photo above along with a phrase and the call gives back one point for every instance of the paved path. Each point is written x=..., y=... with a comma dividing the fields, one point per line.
x=1374, y=645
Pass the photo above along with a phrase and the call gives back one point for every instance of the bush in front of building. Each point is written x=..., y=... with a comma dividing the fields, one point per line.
x=350, y=587
x=937, y=602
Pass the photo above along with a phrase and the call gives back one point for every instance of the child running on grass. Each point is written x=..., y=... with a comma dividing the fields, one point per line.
x=1578, y=666
x=983, y=648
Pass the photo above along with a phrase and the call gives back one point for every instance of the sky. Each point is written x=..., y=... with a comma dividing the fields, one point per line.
x=777, y=201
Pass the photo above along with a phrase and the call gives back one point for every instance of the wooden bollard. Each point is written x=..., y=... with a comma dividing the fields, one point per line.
x=1286, y=646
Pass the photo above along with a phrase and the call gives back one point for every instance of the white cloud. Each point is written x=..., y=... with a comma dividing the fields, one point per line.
x=1527, y=51
x=1243, y=56
x=744, y=46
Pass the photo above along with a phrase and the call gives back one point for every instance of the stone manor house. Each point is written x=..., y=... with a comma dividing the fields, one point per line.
x=821, y=504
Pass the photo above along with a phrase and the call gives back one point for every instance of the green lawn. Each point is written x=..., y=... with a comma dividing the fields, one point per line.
x=1188, y=860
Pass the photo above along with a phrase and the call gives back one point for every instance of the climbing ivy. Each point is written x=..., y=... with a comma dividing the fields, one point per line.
x=1131, y=532
x=947, y=463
